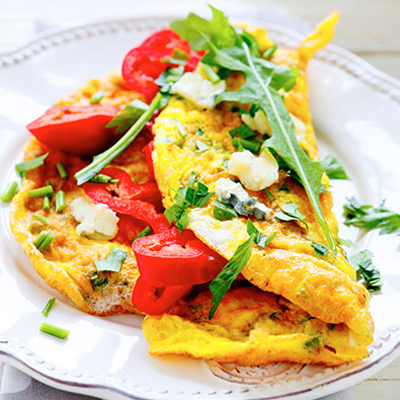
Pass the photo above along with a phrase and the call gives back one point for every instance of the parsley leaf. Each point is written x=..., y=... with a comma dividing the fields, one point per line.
x=128, y=116
x=113, y=262
x=290, y=212
x=229, y=50
x=320, y=249
x=333, y=168
x=362, y=263
x=368, y=217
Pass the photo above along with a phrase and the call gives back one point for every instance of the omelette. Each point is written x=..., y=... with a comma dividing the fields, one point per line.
x=290, y=303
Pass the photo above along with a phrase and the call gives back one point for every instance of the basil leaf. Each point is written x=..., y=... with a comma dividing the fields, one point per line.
x=290, y=212
x=113, y=262
x=259, y=239
x=362, y=263
x=223, y=211
x=128, y=116
x=320, y=249
x=22, y=168
x=368, y=217
x=333, y=168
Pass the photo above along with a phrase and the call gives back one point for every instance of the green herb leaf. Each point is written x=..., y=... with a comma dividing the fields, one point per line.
x=128, y=116
x=113, y=262
x=228, y=50
x=346, y=242
x=254, y=147
x=368, y=217
x=102, y=160
x=223, y=211
x=270, y=51
x=48, y=307
x=201, y=146
x=362, y=263
x=259, y=239
x=290, y=212
x=333, y=169
x=313, y=344
x=145, y=232
x=97, y=97
x=22, y=168
x=269, y=194
x=41, y=219
x=320, y=249
x=243, y=131
x=98, y=280
x=101, y=178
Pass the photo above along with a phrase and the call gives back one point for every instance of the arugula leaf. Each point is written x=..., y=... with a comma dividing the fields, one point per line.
x=290, y=212
x=145, y=232
x=362, y=263
x=254, y=147
x=221, y=284
x=113, y=262
x=368, y=217
x=243, y=131
x=320, y=249
x=346, y=242
x=333, y=168
x=228, y=50
x=22, y=168
x=223, y=211
x=128, y=116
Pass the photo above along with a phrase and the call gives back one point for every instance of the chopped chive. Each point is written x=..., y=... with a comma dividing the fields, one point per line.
x=60, y=201
x=46, y=203
x=181, y=128
x=101, y=178
x=9, y=192
x=269, y=52
x=61, y=170
x=54, y=331
x=43, y=241
x=48, y=307
x=41, y=219
x=201, y=146
x=145, y=232
x=97, y=97
x=209, y=73
x=269, y=194
x=22, y=168
x=42, y=191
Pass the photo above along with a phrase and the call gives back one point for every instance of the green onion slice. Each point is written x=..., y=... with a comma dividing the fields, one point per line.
x=41, y=219
x=48, y=307
x=97, y=97
x=42, y=191
x=60, y=201
x=54, y=331
x=22, y=168
x=42, y=242
x=9, y=192
x=46, y=203
x=61, y=170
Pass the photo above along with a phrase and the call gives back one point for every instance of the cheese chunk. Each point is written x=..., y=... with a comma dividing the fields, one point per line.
x=194, y=87
x=257, y=123
x=255, y=173
x=97, y=221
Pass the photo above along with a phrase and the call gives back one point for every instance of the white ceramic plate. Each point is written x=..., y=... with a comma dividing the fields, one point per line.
x=356, y=114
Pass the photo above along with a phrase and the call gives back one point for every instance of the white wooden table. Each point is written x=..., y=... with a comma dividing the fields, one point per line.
x=369, y=28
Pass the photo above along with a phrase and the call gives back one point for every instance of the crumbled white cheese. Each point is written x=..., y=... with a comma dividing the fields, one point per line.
x=300, y=128
x=194, y=87
x=257, y=123
x=255, y=173
x=225, y=187
x=97, y=221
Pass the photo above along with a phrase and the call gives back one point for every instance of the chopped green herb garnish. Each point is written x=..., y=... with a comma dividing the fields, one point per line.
x=103, y=159
x=333, y=169
x=46, y=203
x=42, y=191
x=362, y=263
x=97, y=97
x=41, y=219
x=346, y=242
x=113, y=262
x=368, y=217
x=168, y=78
x=42, y=242
x=290, y=212
x=312, y=344
x=181, y=128
x=22, y=168
x=209, y=73
x=9, y=192
x=54, y=331
x=201, y=146
x=98, y=280
x=254, y=147
x=269, y=194
x=48, y=307
x=61, y=170
x=145, y=232
x=270, y=51
x=233, y=51
x=101, y=178
x=223, y=211
x=60, y=201
x=243, y=131
x=221, y=284
x=320, y=249
x=179, y=57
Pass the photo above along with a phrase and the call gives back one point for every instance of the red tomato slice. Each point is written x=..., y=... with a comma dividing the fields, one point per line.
x=79, y=130
x=170, y=258
x=154, y=300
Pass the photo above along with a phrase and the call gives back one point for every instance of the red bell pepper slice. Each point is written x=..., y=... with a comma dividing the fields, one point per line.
x=148, y=150
x=128, y=198
x=154, y=300
x=142, y=65
x=79, y=130
x=174, y=259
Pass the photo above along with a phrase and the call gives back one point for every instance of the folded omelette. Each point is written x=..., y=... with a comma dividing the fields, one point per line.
x=290, y=303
